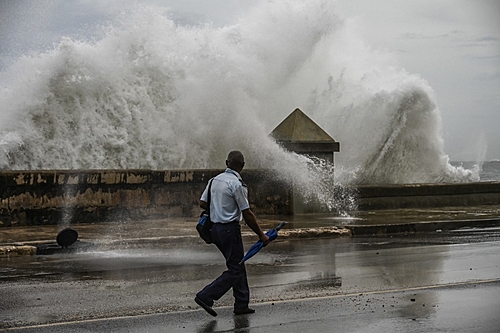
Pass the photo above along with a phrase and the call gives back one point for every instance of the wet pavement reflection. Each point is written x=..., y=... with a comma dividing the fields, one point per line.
x=134, y=281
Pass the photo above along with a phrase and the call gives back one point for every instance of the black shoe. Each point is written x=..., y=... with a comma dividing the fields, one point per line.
x=244, y=311
x=205, y=306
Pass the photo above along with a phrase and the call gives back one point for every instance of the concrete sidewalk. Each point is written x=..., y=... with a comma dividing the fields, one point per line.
x=29, y=240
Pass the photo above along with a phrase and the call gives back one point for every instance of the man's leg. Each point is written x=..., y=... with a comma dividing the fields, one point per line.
x=227, y=237
x=241, y=291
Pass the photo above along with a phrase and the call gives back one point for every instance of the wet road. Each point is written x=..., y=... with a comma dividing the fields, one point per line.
x=427, y=282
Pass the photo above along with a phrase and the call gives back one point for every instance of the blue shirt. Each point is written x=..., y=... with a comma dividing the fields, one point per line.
x=229, y=197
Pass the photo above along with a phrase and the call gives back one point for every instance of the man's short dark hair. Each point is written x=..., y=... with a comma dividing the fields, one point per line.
x=235, y=159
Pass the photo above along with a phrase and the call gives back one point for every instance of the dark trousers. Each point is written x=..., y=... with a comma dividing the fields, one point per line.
x=227, y=238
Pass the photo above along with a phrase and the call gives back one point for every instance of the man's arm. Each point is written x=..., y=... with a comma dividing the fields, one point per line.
x=251, y=221
x=204, y=205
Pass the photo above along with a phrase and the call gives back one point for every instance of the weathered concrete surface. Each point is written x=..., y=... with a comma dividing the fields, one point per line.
x=439, y=282
x=10, y=250
x=137, y=234
x=49, y=197
x=384, y=229
x=52, y=197
x=156, y=232
x=461, y=308
x=428, y=195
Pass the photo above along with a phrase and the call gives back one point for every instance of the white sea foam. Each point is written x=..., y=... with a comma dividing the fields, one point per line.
x=154, y=94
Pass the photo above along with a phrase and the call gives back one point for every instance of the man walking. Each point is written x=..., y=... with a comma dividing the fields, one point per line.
x=228, y=203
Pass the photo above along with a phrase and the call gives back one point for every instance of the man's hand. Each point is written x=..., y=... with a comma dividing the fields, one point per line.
x=265, y=239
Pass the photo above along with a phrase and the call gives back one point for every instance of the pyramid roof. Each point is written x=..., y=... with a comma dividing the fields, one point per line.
x=298, y=127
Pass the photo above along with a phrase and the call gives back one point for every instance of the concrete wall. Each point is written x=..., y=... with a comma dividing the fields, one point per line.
x=49, y=197
x=52, y=197
x=428, y=195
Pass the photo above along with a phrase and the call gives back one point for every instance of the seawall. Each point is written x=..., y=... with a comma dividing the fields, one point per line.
x=51, y=197
x=62, y=196
x=373, y=197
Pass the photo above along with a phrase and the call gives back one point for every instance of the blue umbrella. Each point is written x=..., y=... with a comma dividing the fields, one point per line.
x=272, y=234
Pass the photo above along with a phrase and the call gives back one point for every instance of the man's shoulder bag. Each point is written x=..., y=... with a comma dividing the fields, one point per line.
x=204, y=225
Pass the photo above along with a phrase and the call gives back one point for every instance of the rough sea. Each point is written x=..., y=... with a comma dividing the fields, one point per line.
x=149, y=92
x=489, y=171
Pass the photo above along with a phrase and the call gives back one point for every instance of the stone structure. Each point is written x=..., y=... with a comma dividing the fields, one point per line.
x=427, y=195
x=54, y=197
x=51, y=197
x=300, y=134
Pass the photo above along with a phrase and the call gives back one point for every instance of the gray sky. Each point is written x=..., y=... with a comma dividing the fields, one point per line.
x=453, y=44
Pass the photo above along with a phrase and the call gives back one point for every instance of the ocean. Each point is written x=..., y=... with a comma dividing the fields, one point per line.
x=146, y=91
x=489, y=171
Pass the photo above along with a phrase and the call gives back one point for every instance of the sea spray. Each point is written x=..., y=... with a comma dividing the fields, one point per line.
x=155, y=94
x=327, y=187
